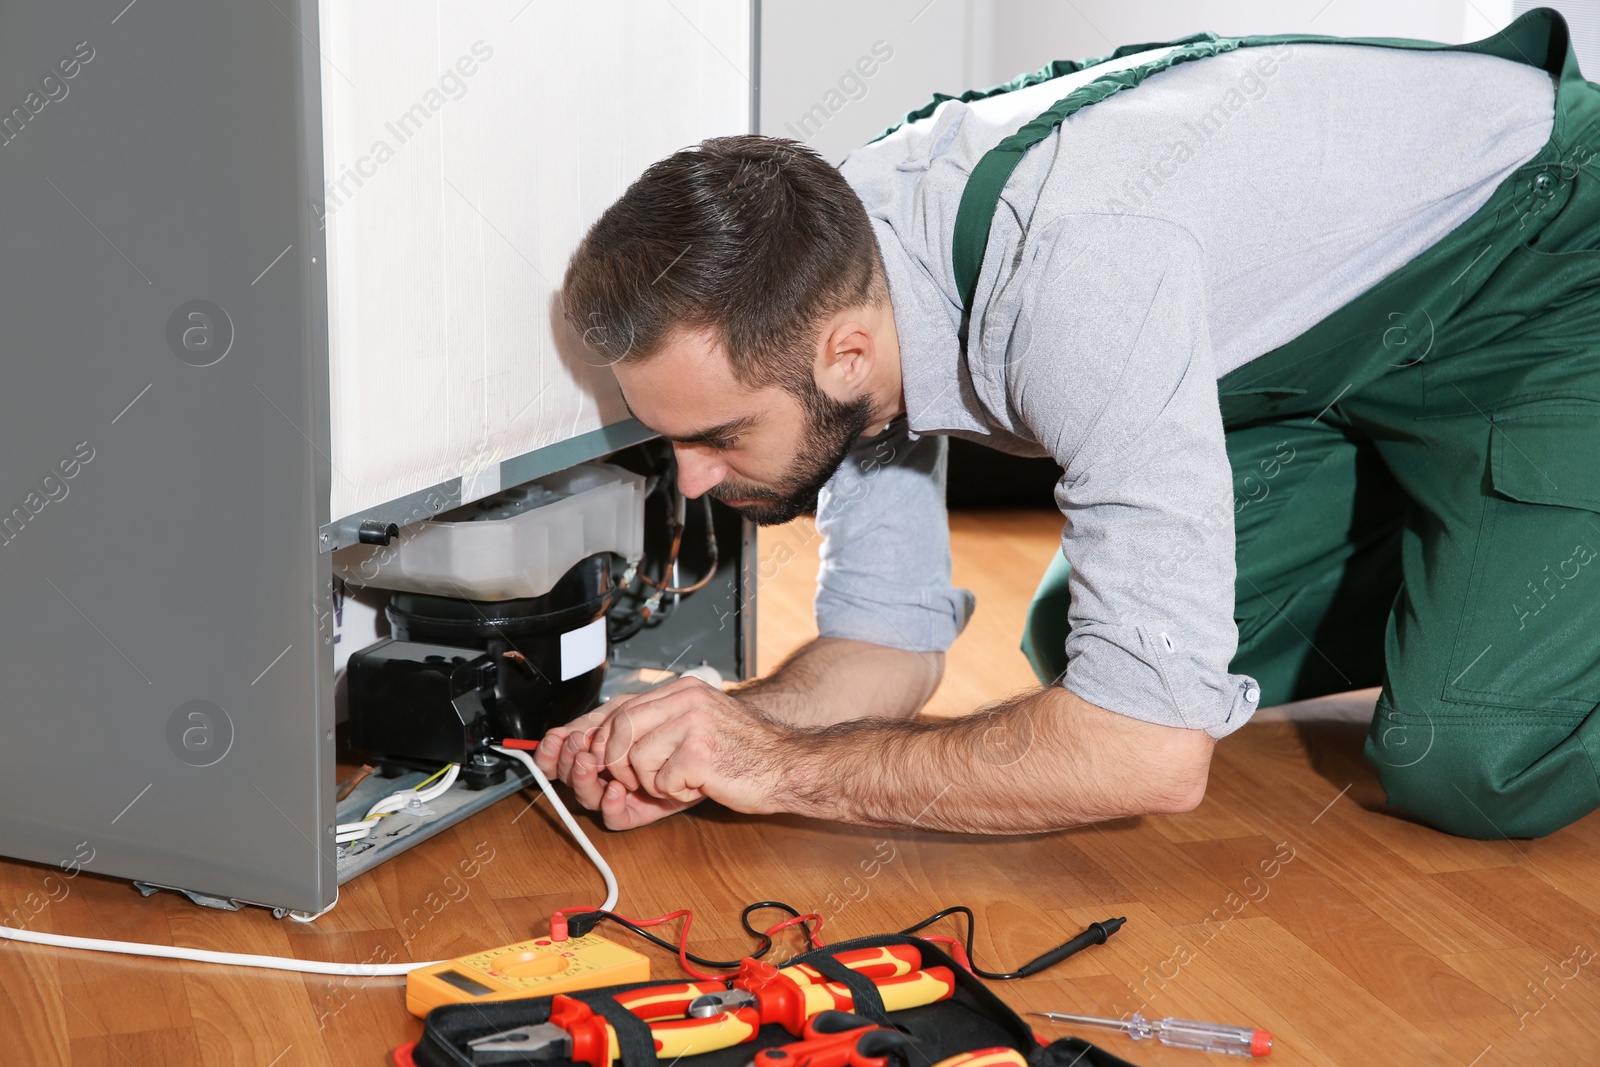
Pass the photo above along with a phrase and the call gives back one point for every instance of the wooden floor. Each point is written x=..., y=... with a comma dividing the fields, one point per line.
x=1288, y=900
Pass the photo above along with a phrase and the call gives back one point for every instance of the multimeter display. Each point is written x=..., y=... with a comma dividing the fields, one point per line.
x=463, y=983
x=530, y=969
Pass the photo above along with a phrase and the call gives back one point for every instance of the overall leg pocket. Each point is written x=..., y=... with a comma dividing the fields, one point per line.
x=1529, y=635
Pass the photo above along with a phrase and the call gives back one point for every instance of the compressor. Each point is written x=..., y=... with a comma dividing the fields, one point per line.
x=497, y=618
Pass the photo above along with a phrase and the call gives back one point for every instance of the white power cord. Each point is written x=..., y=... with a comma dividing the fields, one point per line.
x=201, y=955
x=286, y=963
x=572, y=826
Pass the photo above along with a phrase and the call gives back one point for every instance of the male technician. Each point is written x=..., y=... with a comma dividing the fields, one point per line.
x=1313, y=331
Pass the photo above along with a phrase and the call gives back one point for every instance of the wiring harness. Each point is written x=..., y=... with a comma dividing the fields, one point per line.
x=424, y=791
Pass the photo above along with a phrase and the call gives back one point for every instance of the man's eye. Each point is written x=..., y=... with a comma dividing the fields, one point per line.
x=722, y=444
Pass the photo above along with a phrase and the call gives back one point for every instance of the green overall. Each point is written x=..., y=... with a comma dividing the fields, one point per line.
x=1417, y=477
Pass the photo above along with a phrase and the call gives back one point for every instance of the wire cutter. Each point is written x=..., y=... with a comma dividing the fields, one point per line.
x=775, y=997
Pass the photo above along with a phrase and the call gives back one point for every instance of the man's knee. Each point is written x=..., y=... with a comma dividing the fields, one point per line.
x=1483, y=775
x=1044, y=637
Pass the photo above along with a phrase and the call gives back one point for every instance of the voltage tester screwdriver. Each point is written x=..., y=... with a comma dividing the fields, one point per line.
x=1180, y=1033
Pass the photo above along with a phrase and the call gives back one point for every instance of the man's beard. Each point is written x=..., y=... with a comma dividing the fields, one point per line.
x=831, y=429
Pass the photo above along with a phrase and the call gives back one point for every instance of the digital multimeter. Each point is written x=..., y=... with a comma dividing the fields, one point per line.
x=528, y=969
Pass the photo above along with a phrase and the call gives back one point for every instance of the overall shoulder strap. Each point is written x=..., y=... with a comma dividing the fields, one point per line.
x=1538, y=38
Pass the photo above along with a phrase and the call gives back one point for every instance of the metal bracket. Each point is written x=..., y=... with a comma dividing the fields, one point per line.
x=202, y=899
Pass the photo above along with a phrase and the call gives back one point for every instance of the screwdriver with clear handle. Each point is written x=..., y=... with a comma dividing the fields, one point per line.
x=1180, y=1033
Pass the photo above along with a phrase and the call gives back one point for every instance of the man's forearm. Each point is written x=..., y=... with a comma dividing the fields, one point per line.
x=833, y=680
x=1045, y=761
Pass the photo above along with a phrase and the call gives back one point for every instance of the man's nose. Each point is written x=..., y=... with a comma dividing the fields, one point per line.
x=697, y=471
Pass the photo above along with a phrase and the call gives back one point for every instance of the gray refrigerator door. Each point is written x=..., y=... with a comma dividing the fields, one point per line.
x=167, y=705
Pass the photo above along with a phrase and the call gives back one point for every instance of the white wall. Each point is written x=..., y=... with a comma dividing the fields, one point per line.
x=813, y=90
x=808, y=46
x=1030, y=32
x=468, y=146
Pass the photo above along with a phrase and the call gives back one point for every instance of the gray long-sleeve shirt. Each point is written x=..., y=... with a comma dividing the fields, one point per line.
x=1157, y=240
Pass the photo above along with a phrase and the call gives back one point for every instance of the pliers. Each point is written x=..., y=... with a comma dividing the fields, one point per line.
x=576, y=1033
x=525, y=1044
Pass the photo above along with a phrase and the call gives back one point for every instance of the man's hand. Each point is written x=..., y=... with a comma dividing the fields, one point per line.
x=829, y=680
x=564, y=753
x=639, y=758
x=687, y=740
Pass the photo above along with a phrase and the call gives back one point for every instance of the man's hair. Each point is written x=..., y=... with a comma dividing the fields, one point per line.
x=758, y=239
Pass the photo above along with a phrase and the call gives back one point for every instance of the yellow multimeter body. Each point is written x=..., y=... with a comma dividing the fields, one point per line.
x=528, y=969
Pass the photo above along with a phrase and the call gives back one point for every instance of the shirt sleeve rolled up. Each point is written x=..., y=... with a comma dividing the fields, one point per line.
x=885, y=557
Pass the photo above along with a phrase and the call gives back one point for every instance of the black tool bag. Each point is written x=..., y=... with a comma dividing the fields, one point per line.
x=972, y=1019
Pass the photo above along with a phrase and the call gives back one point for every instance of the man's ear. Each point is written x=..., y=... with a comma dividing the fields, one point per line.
x=845, y=358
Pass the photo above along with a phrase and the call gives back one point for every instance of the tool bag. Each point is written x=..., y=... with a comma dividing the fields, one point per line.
x=972, y=1018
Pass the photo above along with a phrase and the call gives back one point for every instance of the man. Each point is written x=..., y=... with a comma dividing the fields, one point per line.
x=1312, y=328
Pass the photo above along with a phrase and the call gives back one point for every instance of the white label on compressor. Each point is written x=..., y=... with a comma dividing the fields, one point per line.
x=583, y=649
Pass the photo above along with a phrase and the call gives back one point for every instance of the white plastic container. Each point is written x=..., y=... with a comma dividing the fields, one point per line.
x=513, y=544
